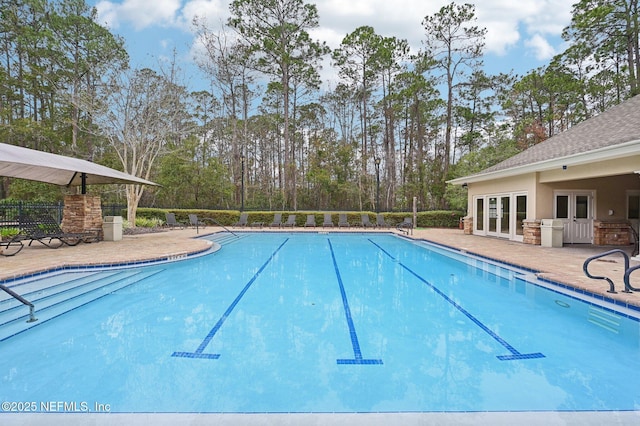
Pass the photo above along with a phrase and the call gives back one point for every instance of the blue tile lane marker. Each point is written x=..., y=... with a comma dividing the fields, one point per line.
x=514, y=353
x=357, y=353
x=199, y=352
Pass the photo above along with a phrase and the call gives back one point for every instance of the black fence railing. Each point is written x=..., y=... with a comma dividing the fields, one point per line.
x=10, y=211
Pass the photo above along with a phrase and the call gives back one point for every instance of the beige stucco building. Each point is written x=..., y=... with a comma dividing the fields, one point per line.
x=588, y=178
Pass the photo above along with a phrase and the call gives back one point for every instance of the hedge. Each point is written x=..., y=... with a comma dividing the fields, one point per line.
x=426, y=219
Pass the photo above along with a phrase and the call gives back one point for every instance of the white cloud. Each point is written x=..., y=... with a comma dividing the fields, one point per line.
x=529, y=28
x=540, y=47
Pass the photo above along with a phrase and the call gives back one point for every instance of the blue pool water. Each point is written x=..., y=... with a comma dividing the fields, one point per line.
x=301, y=322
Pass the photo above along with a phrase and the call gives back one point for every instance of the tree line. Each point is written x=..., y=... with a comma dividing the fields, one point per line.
x=396, y=125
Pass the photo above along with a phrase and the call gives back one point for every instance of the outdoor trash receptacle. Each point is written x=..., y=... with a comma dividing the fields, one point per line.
x=551, y=231
x=112, y=227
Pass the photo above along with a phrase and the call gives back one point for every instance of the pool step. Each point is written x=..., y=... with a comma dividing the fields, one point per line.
x=604, y=319
x=223, y=238
x=60, y=295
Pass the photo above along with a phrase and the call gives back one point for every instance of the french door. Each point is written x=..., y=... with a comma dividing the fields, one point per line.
x=575, y=209
x=501, y=215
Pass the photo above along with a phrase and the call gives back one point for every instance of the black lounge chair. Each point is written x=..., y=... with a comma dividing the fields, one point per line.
x=243, y=221
x=327, y=220
x=380, y=222
x=311, y=220
x=405, y=225
x=291, y=221
x=277, y=220
x=45, y=230
x=12, y=246
x=342, y=220
x=171, y=221
x=196, y=222
x=366, y=223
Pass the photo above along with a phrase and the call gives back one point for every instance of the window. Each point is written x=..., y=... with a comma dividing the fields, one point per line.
x=562, y=207
x=480, y=214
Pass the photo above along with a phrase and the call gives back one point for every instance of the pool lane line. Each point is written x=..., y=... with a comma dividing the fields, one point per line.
x=199, y=353
x=514, y=353
x=357, y=353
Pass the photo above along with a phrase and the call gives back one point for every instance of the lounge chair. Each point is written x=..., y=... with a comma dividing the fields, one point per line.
x=291, y=221
x=277, y=220
x=380, y=222
x=311, y=220
x=327, y=220
x=12, y=246
x=405, y=225
x=45, y=230
x=244, y=217
x=171, y=221
x=366, y=223
x=195, y=222
x=342, y=220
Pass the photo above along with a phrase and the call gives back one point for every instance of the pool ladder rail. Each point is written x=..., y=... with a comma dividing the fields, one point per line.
x=60, y=294
x=628, y=270
x=22, y=300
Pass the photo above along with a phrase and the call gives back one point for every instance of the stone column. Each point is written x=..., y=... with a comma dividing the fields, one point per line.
x=468, y=225
x=82, y=213
x=531, y=232
x=610, y=233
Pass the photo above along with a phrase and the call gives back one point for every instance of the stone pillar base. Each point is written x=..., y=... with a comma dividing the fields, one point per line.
x=468, y=225
x=531, y=232
x=610, y=233
x=82, y=213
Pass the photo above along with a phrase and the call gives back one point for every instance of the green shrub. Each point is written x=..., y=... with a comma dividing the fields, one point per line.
x=8, y=233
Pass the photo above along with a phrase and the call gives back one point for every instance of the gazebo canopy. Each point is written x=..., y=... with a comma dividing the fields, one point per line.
x=25, y=163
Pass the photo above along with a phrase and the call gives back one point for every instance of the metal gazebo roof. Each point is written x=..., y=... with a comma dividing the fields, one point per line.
x=25, y=163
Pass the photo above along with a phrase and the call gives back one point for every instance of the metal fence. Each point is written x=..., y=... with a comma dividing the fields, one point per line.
x=10, y=211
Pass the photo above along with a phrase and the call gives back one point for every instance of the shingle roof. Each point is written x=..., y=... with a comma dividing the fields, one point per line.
x=615, y=126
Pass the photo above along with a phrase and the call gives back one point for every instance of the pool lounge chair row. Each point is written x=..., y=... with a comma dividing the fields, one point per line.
x=328, y=221
x=45, y=230
x=243, y=221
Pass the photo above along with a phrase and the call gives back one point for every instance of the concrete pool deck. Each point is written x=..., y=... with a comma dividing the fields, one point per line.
x=563, y=265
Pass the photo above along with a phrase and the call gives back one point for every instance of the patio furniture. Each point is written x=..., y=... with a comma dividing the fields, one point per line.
x=380, y=222
x=311, y=220
x=243, y=221
x=171, y=221
x=405, y=225
x=366, y=223
x=277, y=220
x=291, y=221
x=12, y=246
x=342, y=220
x=45, y=230
x=327, y=220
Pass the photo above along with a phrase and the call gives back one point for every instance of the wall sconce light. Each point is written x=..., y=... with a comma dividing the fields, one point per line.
x=465, y=185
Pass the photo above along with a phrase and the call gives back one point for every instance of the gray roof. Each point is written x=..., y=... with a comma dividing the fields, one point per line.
x=617, y=125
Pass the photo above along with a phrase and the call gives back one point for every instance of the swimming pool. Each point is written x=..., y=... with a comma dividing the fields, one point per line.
x=308, y=323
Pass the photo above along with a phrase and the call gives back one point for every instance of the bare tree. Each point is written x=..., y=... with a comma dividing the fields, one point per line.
x=142, y=113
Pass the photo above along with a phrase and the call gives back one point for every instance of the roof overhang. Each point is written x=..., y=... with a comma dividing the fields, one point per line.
x=602, y=154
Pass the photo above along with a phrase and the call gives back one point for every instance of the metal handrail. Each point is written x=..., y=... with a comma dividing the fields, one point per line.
x=636, y=243
x=585, y=266
x=627, y=285
x=217, y=223
x=21, y=299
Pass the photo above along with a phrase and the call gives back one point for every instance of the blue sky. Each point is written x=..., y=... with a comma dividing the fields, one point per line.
x=521, y=35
